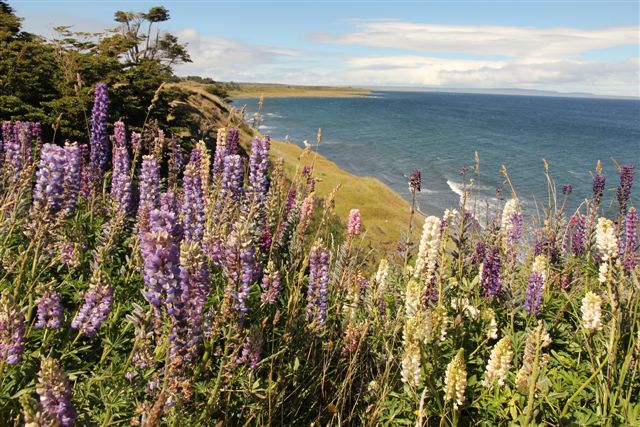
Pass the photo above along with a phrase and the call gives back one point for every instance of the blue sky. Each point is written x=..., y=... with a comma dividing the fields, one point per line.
x=581, y=46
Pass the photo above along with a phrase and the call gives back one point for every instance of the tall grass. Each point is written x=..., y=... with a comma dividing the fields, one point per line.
x=211, y=290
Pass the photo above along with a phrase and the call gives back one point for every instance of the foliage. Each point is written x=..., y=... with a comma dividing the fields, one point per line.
x=50, y=81
x=245, y=302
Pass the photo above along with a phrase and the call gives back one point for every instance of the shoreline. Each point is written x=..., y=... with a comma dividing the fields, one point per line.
x=256, y=90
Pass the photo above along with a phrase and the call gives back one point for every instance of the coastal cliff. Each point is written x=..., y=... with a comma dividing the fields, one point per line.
x=385, y=213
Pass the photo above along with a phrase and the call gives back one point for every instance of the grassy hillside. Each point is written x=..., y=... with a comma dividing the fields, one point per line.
x=278, y=90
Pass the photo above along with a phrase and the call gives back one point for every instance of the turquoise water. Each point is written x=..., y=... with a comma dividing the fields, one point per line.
x=389, y=134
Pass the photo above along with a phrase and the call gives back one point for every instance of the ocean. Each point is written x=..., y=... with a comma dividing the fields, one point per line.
x=389, y=134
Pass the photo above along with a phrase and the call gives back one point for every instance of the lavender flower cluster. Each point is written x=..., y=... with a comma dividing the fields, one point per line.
x=99, y=140
x=318, y=288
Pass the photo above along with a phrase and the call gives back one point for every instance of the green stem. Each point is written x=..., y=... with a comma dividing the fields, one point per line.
x=583, y=386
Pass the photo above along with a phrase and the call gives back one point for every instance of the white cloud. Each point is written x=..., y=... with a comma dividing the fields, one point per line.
x=509, y=57
x=547, y=43
x=228, y=59
x=568, y=75
x=514, y=58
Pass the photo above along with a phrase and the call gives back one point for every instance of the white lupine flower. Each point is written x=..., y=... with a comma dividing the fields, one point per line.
x=513, y=205
x=412, y=298
x=382, y=273
x=606, y=240
x=492, y=331
x=498, y=365
x=463, y=305
x=412, y=334
x=591, y=312
x=603, y=271
x=429, y=246
x=411, y=365
x=455, y=380
x=539, y=266
x=450, y=215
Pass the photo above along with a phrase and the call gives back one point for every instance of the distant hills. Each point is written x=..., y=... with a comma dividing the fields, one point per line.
x=498, y=91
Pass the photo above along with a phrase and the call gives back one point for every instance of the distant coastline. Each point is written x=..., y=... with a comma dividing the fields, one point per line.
x=250, y=90
x=276, y=90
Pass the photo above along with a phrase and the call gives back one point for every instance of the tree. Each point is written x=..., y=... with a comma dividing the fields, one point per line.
x=164, y=47
x=28, y=70
x=52, y=81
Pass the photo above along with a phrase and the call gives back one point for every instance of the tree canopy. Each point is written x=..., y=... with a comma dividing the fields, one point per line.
x=51, y=80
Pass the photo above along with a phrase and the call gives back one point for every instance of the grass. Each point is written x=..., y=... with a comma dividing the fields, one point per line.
x=250, y=90
x=385, y=214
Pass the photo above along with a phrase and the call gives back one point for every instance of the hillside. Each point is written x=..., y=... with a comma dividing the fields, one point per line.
x=385, y=214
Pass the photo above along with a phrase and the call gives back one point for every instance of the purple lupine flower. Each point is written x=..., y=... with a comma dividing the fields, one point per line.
x=119, y=138
x=233, y=138
x=252, y=348
x=121, y=179
x=136, y=138
x=67, y=253
x=11, y=147
x=598, y=188
x=149, y=186
x=624, y=189
x=17, y=147
x=533, y=297
x=415, y=181
x=85, y=174
x=99, y=140
x=382, y=307
x=306, y=212
x=479, y=253
x=49, y=188
x=49, y=310
x=24, y=135
x=282, y=233
x=266, y=239
x=355, y=222
x=6, y=135
x=270, y=285
x=169, y=202
x=490, y=274
x=176, y=160
x=54, y=389
x=631, y=240
x=11, y=330
x=515, y=231
x=72, y=176
x=192, y=205
x=95, y=309
x=220, y=154
x=539, y=246
x=240, y=268
x=36, y=131
x=194, y=279
x=232, y=177
x=160, y=249
x=577, y=239
x=258, y=165
x=567, y=189
x=317, y=290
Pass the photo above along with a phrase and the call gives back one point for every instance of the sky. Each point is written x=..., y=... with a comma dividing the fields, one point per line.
x=565, y=46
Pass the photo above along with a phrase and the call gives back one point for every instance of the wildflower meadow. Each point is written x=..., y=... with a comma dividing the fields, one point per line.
x=144, y=282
